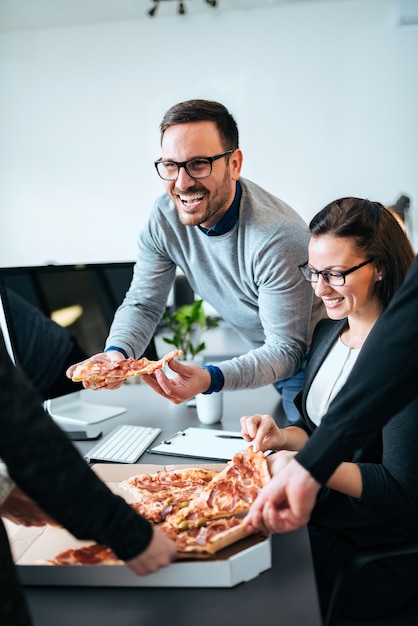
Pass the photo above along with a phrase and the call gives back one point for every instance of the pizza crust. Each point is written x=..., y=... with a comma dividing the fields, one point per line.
x=93, y=554
x=218, y=542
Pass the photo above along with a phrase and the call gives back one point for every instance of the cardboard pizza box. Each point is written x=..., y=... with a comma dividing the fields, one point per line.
x=235, y=564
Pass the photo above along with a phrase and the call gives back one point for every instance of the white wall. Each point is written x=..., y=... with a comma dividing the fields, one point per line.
x=325, y=95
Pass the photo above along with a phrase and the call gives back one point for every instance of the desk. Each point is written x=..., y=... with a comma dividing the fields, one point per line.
x=285, y=595
x=147, y=408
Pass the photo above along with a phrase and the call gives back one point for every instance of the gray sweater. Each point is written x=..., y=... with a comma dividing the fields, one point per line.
x=249, y=275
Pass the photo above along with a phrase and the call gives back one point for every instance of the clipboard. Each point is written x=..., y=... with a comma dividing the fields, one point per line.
x=202, y=443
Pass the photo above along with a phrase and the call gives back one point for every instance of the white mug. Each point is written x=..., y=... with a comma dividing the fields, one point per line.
x=209, y=407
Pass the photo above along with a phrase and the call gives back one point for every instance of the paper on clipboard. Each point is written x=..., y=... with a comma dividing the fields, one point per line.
x=204, y=443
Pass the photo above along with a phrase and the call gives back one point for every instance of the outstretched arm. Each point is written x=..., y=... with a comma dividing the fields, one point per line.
x=49, y=469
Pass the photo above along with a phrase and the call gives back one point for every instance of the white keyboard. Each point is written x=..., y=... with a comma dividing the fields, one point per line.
x=124, y=444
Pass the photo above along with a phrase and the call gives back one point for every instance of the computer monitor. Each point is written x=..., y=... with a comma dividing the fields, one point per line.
x=80, y=298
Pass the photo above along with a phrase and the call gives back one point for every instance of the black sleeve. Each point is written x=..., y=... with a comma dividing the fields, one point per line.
x=45, y=464
x=393, y=482
x=382, y=382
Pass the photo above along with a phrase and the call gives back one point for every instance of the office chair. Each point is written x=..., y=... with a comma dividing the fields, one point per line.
x=353, y=565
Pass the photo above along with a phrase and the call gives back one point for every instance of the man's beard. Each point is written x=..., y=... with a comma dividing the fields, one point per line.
x=217, y=203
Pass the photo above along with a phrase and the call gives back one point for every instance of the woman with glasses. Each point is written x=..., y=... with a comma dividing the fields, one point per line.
x=358, y=258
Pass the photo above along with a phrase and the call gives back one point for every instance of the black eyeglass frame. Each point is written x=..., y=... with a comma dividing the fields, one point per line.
x=326, y=274
x=184, y=164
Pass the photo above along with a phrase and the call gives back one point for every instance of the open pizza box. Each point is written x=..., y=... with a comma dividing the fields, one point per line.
x=235, y=564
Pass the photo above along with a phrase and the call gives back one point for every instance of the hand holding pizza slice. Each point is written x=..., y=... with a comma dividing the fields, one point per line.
x=94, y=373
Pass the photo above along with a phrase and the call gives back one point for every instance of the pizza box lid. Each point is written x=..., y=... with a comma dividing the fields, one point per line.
x=235, y=564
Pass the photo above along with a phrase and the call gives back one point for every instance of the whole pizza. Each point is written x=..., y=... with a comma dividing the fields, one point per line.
x=200, y=510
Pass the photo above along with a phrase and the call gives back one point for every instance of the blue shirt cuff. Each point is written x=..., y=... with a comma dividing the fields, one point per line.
x=216, y=378
x=125, y=354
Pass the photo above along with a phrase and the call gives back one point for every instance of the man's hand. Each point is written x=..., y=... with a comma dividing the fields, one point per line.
x=188, y=381
x=160, y=553
x=286, y=502
x=20, y=509
x=101, y=357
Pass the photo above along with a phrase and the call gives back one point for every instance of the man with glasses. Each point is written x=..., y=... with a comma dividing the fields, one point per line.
x=238, y=246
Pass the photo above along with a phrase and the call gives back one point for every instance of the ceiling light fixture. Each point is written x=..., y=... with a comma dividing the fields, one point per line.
x=181, y=7
x=153, y=10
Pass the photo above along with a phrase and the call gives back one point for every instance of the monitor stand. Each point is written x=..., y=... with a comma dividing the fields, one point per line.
x=79, y=419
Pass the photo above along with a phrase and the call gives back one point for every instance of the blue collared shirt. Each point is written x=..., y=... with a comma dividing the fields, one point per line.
x=228, y=221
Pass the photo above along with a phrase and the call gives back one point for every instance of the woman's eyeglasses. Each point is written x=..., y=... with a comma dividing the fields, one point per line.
x=335, y=278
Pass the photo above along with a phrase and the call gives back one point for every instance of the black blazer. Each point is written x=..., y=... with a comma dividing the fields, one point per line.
x=326, y=334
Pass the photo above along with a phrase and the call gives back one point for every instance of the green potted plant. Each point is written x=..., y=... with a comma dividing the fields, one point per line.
x=187, y=324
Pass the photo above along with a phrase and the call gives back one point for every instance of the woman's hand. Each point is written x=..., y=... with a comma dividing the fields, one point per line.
x=262, y=431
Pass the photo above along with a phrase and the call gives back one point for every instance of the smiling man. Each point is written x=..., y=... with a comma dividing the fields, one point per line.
x=199, y=201
x=239, y=247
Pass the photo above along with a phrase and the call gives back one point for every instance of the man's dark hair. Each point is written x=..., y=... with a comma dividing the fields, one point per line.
x=201, y=111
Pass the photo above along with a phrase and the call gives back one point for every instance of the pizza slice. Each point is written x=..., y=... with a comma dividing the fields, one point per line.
x=159, y=495
x=93, y=554
x=207, y=538
x=100, y=374
x=198, y=542
x=230, y=492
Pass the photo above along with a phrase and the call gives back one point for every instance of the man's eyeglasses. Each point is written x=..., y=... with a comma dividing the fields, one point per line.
x=334, y=278
x=199, y=167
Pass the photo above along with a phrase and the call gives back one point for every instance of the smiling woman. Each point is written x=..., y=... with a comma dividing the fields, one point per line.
x=358, y=258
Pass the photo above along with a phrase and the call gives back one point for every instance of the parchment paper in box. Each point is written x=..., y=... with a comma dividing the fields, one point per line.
x=238, y=563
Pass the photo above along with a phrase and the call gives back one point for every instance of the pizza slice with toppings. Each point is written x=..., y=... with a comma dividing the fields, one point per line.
x=197, y=542
x=206, y=538
x=162, y=494
x=230, y=492
x=93, y=554
x=100, y=374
